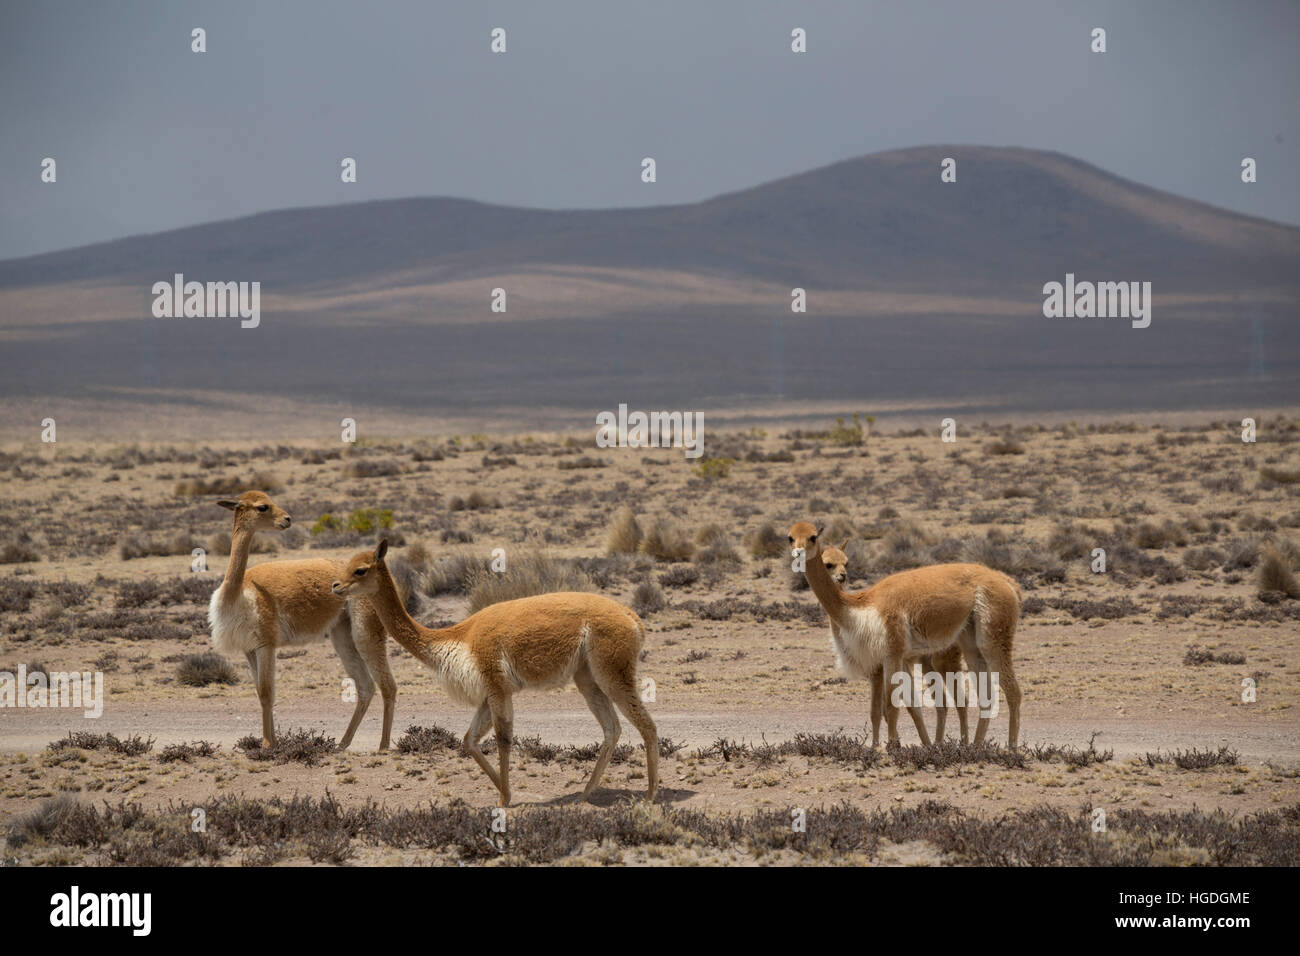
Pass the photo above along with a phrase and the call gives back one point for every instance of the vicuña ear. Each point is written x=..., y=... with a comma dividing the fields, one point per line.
x=820, y=529
x=227, y=503
x=381, y=550
x=845, y=544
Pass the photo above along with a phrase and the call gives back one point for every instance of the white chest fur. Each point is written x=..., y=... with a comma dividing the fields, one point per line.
x=233, y=624
x=458, y=674
x=859, y=642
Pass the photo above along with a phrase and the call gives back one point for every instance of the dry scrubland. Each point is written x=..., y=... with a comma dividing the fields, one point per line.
x=1200, y=531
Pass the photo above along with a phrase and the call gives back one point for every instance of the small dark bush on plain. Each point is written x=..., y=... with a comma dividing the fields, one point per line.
x=678, y=576
x=1106, y=609
x=1194, y=758
x=18, y=552
x=200, y=670
x=720, y=552
x=1149, y=535
x=949, y=752
x=425, y=740
x=586, y=461
x=666, y=541
x=85, y=740
x=1203, y=559
x=187, y=752
x=906, y=545
x=1073, y=757
x=165, y=545
x=365, y=468
x=475, y=501
x=294, y=746
x=62, y=817
x=648, y=598
x=16, y=595
x=1279, y=476
x=711, y=534
x=1197, y=656
x=766, y=542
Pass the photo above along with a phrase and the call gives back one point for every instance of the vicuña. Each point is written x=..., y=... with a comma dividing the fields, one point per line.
x=914, y=613
x=283, y=603
x=534, y=642
x=946, y=663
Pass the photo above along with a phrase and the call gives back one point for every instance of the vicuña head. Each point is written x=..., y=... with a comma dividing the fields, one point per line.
x=805, y=534
x=360, y=576
x=836, y=560
x=254, y=511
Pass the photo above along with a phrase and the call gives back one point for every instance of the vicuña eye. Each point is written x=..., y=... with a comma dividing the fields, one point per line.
x=359, y=571
x=263, y=507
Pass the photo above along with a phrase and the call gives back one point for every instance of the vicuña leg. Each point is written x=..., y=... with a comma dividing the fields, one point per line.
x=1011, y=687
x=895, y=666
x=891, y=712
x=980, y=668
x=478, y=727
x=503, y=722
x=372, y=644
x=948, y=665
x=341, y=638
x=877, y=705
x=265, y=661
x=940, y=701
x=603, y=708
x=995, y=652
x=623, y=690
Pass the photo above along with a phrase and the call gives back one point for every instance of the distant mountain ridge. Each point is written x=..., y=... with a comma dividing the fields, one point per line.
x=920, y=294
x=879, y=221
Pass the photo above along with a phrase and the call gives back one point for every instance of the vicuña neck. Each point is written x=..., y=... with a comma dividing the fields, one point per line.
x=819, y=579
x=421, y=641
x=241, y=542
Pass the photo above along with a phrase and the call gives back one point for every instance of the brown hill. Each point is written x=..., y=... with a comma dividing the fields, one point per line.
x=918, y=291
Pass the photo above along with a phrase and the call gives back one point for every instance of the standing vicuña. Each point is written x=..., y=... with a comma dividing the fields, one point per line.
x=282, y=603
x=913, y=613
x=944, y=663
x=533, y=642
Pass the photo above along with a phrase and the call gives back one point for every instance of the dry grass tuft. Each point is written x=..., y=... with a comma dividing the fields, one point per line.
x=766, y=542
x=531, y=574
x=666, y=541
x=625, y=533
x=1276, y=573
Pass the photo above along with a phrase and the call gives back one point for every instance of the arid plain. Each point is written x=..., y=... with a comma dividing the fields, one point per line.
x=1133, y=677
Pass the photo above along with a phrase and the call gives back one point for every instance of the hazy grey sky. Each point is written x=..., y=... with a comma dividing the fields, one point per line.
x=150, y=136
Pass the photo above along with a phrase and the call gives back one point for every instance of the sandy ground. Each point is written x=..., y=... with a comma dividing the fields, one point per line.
x=763, y=672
